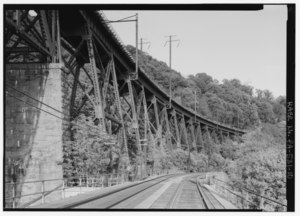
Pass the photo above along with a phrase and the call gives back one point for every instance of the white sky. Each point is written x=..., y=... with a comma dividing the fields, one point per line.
x=247, y=45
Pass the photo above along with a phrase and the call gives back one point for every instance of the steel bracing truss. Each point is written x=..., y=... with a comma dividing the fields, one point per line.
x=99, y=71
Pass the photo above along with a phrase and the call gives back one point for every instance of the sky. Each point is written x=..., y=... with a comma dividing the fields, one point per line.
x=246, y=45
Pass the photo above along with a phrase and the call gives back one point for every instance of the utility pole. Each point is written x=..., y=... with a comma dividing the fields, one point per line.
x=136, y=20
x=136, y=44
x=170, y=60
x=195, y=116
x=195, y=102
x=170, y=47
x=143, y=42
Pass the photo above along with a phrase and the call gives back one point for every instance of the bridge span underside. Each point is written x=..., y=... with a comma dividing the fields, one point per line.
x=57, y=65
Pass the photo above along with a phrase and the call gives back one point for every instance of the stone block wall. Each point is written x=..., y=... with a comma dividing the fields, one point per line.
x=34, y=138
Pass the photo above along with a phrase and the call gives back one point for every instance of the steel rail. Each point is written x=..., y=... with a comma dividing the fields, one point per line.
x=172, y=202
x=209, y=202
x=96, y=197
x=128, y=197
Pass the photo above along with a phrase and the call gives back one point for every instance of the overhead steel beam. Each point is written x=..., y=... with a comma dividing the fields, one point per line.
x=27, y=28
x=45, y=27
x=110, y=117
x=8, y=50
x=95, y=29
x=26, y=37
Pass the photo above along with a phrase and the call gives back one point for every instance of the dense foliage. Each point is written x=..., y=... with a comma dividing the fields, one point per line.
x=89, y=153
x=229, y=102
x=258, y=163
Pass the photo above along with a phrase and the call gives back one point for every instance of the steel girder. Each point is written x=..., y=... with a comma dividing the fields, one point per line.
x=41, y=33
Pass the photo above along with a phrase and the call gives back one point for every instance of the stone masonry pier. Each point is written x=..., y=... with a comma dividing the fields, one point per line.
x=34, y=138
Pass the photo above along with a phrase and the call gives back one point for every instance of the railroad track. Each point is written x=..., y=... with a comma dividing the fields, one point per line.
x=191, y=195
x=209, y=200
x=186, y=194
x=115, y=198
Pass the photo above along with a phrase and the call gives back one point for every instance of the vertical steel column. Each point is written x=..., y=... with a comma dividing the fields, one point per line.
x=106, y=80
x=208, y=134
x=58, y=39
x=146, y=117
x=108, y=122
x=167, y=127
x=176, y=129
x=193, y=133
x=99, y=108
x=74, y=90
x=156, y=112
x=136, y=45
x=134, y=117
x=221, y=136
x=46, y=29
x=18, y=17
x=208, y=141
x=139, y=103
x=147, y=121
x=118, y=101
x=214, y=135
x=184, y=131
x=167, y=120
x=53, y=31
x=199, y=136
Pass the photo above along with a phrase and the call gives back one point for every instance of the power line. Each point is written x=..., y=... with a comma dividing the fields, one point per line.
x=94, y=133
x=34, y=106
x=34, y=99
x=120, y=20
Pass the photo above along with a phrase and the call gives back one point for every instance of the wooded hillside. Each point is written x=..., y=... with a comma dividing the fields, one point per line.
x=229, y=102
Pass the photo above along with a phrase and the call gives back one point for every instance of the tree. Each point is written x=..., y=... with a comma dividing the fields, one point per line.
x=279, y=111
x=281, y=100
x=265, y=111
x=259, y=164
x=202, y=81
x=88, y=153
